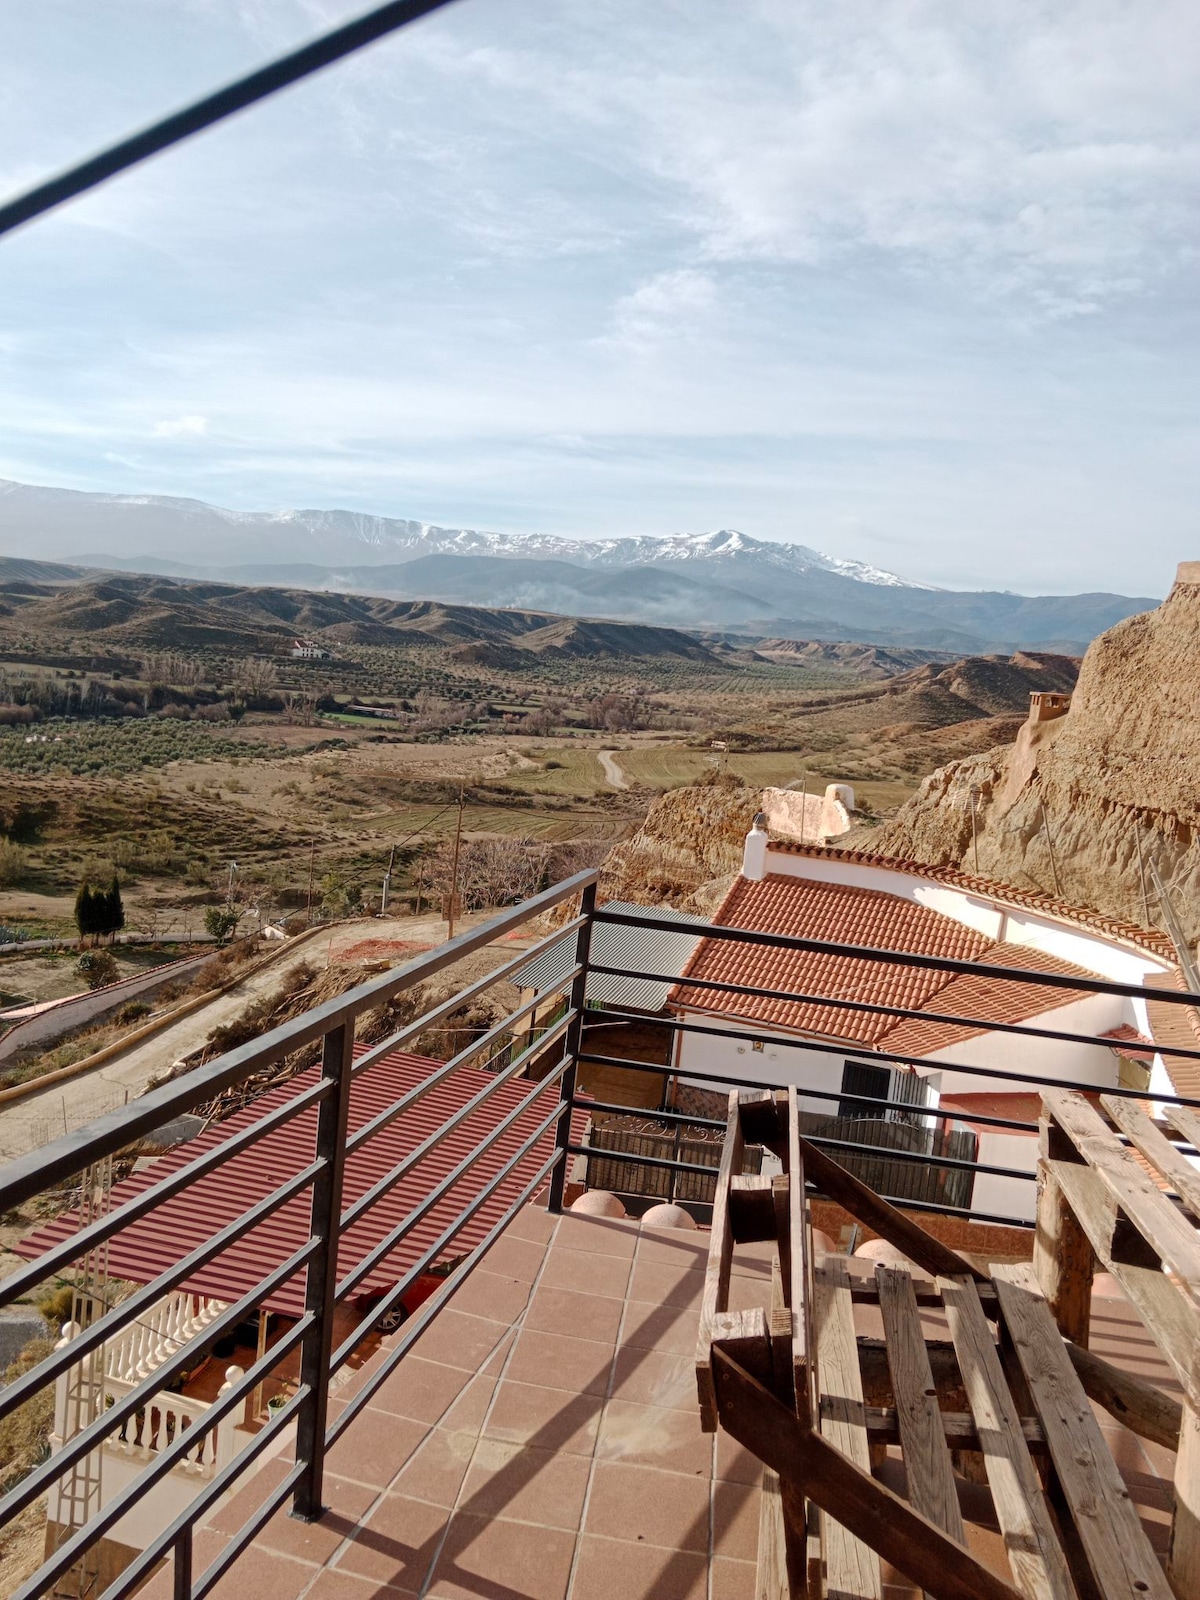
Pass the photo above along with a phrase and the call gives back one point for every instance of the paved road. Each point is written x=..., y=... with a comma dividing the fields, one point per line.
x=612, y=771
x=63, y=1107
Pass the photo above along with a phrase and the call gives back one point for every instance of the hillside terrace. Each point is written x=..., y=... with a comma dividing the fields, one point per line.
x=530, y=1429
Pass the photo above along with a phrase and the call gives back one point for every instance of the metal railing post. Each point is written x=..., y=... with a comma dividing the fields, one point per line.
x=336, y=1059
x=572, y=1044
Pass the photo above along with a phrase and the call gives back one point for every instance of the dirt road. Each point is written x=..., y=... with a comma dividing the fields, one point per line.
x=612, y=771
x=62, y=1108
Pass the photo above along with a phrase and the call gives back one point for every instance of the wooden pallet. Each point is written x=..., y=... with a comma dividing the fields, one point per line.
x=820, y=1407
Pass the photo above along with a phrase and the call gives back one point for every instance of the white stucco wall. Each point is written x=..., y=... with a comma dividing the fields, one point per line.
x=1006, y=1197
x=778, y=1065
x=1089, y=1065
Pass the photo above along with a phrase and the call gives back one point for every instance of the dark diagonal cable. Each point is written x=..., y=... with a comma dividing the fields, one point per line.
x=268, y=80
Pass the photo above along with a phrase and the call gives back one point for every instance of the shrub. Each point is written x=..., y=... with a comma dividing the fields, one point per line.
x=13, y=863
x=97, y=968
x=25, y=1432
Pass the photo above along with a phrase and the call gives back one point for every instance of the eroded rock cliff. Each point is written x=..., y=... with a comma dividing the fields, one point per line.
x=1080, y=794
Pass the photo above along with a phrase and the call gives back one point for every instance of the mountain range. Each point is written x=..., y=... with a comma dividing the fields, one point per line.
x=719, y=580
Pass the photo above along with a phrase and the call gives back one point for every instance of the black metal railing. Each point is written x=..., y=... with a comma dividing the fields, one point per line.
x=544, y=1160
x=57, y=1171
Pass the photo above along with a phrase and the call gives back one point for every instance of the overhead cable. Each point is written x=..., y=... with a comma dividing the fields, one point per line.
x=213, y=108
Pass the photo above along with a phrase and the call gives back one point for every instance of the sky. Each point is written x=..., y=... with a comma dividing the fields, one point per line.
x=910, y=283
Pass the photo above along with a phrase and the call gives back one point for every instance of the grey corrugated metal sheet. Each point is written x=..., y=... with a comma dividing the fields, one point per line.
x=664, y=950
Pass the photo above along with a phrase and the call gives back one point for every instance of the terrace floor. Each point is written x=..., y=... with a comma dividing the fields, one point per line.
x=542, y=1441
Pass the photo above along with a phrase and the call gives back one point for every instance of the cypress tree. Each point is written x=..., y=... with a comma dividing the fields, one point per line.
x=85, y=910
x=114, y=908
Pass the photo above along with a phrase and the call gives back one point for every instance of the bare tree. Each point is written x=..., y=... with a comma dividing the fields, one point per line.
x=257, y=675
x=496, y=871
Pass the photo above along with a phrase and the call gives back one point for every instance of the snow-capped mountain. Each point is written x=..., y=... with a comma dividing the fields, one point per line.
x=71, y=524
x=718, y=580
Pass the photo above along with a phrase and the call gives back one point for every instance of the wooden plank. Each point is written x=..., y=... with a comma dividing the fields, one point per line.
x=1169, y=1318
x=793, y=1508
x=1063, y=1257
x=902, y=1536
x=1110, y=1533
x=851, y=1567
x=883, y=1217
x=715, y=1298
x=771, y=1578
x=1183, y=1558
x=865, y=1291
x=922, y=1436
x=1136, y=1404
x=958, y=1429
x=1157, y=1149
x=1185, y=1120
x=800, y=1273
x=1169, y=1234
x=1038, y=1565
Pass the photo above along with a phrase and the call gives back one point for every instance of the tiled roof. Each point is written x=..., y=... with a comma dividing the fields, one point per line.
x=1131, y=1042
x=1151, y=940
x=972, y=995
x=805, y=908
x=841, y=913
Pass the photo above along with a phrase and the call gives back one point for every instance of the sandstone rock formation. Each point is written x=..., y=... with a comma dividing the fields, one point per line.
x=1079, y=795
x=686, y=850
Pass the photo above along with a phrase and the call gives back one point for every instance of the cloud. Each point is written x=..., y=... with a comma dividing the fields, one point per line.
x=671, y=305
x=190, y=427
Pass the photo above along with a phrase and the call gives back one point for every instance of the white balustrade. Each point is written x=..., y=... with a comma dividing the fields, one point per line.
x=159, y=1334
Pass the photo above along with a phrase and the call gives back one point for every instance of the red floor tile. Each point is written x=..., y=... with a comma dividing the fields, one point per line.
x=525, y=1484
x=398, y=1542
x=485, y=1559
x=641, y=1504
x=581, y=1366
x=574, y=1315
x=522, y=1413
x=653, y=1436
x=436, y=1469
x=652, y=1378
x=458, y=1339
x=666, y=1285
x=617, y=1569
x=586, y=1272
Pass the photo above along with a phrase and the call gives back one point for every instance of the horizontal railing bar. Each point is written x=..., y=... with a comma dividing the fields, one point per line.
x=430, y=1255
x=424, y=1315
x=87, y=1239
x=116, y=1508
x=809, y=1093
x=378, y=1189
x=461, y=997
x=460, y=1058
x=393, y=1237
x=73, y=1450
x=883, y=1152
x=41, y=1169
x=904, y=958
x=873, y=1008
x=847, y=1050
x=127, y=1311
x=711, y=1172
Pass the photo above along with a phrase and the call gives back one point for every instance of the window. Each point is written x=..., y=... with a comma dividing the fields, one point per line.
x=865, y=1079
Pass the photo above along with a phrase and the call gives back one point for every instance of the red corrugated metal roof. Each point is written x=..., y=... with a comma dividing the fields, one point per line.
x=153, y=1243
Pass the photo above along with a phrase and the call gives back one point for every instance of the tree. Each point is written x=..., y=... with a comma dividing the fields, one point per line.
x=221, y=921
x=114, y=908
x=85, y=910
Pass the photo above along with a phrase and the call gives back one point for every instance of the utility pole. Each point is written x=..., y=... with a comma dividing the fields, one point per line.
x=975, y=828
x=1137, y=839
x=312, y=858
x=804, y=806
x=454, y=869
x=1050, y=847
x=233, y=866
x=420, y=884
x=387, y=883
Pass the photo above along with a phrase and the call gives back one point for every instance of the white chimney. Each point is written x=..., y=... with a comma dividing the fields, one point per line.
x=754, y=855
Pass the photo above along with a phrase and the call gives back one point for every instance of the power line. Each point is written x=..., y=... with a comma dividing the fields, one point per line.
x=213, y=108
